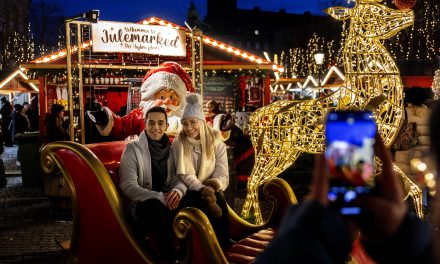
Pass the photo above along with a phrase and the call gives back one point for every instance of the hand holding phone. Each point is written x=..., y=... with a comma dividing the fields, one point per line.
x=350, y=138
x=386, y=209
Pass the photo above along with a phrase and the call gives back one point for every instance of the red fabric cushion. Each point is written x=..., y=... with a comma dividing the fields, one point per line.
x=247, y=249
x=110, y=153
x=243, y=250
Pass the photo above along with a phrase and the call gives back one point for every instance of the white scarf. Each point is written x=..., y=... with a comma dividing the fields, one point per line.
x=419, y=110
x=185, y=163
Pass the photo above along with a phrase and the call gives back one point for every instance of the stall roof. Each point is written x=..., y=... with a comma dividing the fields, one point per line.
x=334, y=78
x=17, y=82
x=240, y=59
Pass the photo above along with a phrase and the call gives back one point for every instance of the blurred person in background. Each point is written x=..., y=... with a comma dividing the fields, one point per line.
x=19, y=124
x=55, y=130
x=417, y=112
x=6, y=112
x=213, y=109
x=32, y=116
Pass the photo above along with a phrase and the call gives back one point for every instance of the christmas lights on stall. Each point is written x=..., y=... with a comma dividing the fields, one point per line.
x=436, y=85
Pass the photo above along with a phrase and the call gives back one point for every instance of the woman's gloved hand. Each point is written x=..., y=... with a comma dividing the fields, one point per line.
x=208, y=195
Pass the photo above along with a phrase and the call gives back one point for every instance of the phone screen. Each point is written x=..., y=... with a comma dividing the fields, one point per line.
x=350, y=138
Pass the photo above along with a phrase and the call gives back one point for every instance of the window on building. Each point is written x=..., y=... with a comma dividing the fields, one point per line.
x=257, y=32
x=257, y=45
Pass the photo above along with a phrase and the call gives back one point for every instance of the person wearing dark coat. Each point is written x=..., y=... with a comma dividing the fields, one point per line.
x=314, y=233
x=32, y=116
x=19, y=124
x=54, y=124
x=6, y=111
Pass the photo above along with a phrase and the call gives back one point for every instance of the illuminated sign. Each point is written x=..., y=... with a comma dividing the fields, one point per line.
x=137, y=38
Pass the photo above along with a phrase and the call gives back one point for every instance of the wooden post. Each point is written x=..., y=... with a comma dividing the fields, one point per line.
x=69, y=81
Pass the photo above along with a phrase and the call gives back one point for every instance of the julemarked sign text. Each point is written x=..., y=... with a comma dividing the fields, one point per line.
x=138, y=38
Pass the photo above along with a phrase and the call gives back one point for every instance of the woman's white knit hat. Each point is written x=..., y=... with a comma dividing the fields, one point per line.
x=193, y=107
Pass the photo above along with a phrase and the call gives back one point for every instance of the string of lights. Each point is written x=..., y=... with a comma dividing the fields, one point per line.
x=422, y=40
x=436, y=85
x=299, y=62
x=18, y=48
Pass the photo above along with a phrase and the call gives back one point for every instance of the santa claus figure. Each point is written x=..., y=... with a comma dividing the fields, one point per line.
x=166, y=86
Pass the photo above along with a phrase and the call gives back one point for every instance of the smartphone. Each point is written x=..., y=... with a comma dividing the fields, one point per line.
x=349, y=154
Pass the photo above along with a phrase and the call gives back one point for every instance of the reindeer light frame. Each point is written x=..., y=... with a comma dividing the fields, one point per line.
x=283, y=130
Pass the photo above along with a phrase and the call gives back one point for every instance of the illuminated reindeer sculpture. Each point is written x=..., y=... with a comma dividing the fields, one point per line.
x=281, y=131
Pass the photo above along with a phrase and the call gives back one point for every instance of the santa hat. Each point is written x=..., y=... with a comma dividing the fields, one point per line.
x=168, y=75
x=193, y=107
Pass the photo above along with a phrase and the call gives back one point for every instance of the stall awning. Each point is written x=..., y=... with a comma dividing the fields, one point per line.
x=17, y=82
x=241, y=59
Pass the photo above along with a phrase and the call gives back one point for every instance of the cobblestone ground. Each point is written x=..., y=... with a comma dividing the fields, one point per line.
x=29, y=233
x=9, y=157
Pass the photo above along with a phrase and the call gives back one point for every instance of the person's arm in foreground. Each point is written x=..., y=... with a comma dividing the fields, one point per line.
x=310, y=233
x=388, y=232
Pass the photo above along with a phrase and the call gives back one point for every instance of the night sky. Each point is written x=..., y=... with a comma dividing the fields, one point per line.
x=175, y=10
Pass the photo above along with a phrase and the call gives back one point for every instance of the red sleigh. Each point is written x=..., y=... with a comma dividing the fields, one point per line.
x=101, y=230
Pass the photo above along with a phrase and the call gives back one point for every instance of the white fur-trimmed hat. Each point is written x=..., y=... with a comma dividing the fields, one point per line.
x=193, y=107
x=168, y=75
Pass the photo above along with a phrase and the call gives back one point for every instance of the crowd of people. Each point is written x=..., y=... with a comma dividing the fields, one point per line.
x=21, y=118
x=16, y=119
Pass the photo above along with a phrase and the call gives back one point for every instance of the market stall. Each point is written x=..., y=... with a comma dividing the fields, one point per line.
x=18, y=84
x=19, y=89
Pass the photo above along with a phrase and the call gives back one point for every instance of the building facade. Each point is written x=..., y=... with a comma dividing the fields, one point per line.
x=258, y=31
